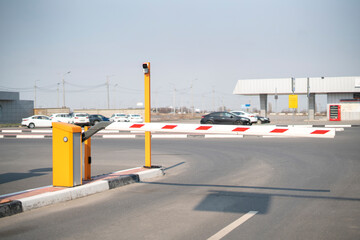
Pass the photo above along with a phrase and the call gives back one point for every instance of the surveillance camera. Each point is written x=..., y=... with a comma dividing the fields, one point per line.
x=146, y=68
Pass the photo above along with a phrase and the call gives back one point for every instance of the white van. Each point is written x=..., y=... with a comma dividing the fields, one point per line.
x=119, y=117
x=61, y=117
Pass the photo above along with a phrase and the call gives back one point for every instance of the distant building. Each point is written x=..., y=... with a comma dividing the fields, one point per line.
x=12, y=109
x=341, y=91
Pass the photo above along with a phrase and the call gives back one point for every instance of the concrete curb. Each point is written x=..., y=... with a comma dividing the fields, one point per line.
x=153, y=173
x=49, y=198
x=10, y=208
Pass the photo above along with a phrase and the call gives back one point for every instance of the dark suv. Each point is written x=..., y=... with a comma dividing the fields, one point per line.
x=95, y=118
x=224, y=118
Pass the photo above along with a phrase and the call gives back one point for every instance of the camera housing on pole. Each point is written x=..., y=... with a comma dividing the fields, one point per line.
x=146, y=68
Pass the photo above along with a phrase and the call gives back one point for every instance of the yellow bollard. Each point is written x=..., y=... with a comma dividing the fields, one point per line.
x=66, y=141
x=146, y=68
x=87, y=157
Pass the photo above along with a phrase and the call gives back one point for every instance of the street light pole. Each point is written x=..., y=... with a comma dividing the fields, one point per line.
x=115, y=101
x=58, y=99
x=192, y=97
x=108, y=95
x=213, y=91
x=35, y=93
x=107, y=88
x=63, y=83
x=174, y=100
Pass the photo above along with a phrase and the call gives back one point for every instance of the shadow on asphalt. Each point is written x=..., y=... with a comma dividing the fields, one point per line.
x=243, y=202
x=233, y=186
x=176, y=165
x=12, y=177
x=235, y=202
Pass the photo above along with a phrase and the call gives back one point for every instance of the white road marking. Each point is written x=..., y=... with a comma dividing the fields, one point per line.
x=337, y=126
x=223, y=136
x=226, y=230
x=30, y=136
x=169, y=136
x=118, y=136
x=41, y=131
x=108, y=131
x=11, y=131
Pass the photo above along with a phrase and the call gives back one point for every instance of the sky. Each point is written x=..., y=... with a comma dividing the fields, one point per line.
x=198, y=49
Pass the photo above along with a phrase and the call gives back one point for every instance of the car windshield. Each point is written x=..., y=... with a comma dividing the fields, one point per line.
x=80, y=115
x=238, y=113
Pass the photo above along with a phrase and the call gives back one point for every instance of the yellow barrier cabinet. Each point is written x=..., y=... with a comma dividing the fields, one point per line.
x=66, y=155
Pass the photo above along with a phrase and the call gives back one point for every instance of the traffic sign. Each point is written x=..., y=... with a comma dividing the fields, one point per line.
x=293, y=101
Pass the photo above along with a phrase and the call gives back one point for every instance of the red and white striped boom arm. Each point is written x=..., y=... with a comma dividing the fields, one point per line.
x=225, y=129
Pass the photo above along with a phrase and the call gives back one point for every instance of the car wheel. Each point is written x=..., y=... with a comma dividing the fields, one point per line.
x=238, y=122
x=31, y=125
x=209, y=122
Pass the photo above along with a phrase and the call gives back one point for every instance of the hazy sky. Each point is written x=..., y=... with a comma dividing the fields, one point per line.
x=205, y=44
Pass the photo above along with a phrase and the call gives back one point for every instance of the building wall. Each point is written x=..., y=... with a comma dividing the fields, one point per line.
x=109, y=112
x=50, y=111
x=336, y=97
x=320, y=85
x=12, y=109
x=9, y=96
x=105, y=112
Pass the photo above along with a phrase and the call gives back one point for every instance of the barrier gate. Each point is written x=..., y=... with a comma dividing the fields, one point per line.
x=68, y=139
x=225, y=129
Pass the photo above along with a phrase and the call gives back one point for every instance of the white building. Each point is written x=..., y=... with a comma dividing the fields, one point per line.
x=339, y=90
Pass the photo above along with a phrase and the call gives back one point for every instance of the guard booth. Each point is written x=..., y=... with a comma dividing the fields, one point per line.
x=67, y=149
x=335, y=112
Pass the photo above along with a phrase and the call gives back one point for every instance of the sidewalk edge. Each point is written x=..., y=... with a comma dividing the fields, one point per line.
x=49, y=198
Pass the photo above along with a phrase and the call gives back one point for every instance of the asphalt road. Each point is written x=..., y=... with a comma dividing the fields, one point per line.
x=297, y=188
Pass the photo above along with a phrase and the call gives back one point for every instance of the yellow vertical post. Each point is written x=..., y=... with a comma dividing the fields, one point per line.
x=146, y=68
x=66, y=142
x=87, y=157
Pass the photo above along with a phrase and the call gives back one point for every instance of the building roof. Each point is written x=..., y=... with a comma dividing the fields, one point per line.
x=280, y=86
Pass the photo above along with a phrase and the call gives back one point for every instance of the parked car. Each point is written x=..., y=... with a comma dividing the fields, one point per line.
x=36, y=121
x=262, y=119
x=135, y=118
x=96, y=118
x=61, y=117
x=81, y=119
x=252, y=117
x=119, y=117
x=224, y=118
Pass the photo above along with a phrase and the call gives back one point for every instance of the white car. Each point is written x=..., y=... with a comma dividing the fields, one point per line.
x=252, y=117
x=135, y=118
x=61, y=117
x=119, y=117
x=36, y=121
x=81, y=119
